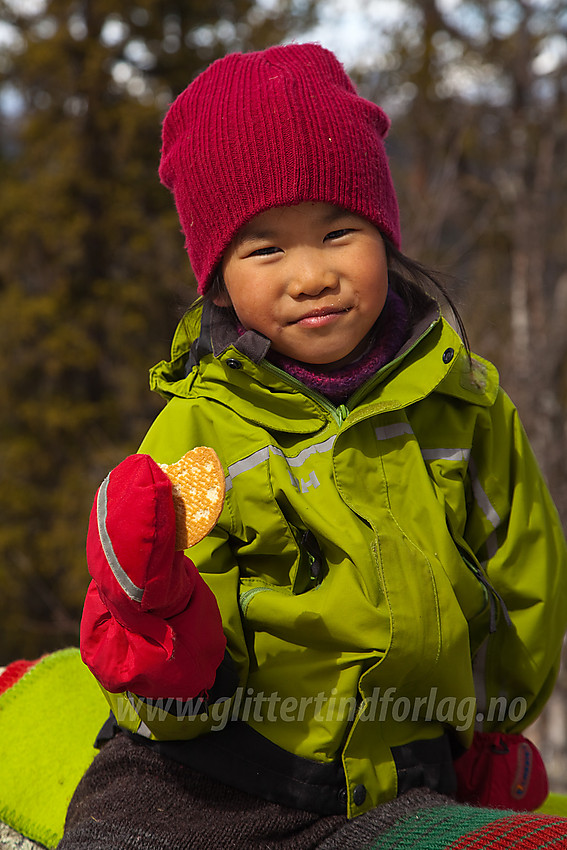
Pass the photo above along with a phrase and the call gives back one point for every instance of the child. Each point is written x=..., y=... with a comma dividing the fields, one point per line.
x=389, y=569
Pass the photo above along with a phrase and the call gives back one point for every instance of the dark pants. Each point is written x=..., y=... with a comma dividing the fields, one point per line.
x=132, y=797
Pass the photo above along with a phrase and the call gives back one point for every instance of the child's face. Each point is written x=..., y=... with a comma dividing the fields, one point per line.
x=312, y=278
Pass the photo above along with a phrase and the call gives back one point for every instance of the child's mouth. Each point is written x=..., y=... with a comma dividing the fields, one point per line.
x=321, y=316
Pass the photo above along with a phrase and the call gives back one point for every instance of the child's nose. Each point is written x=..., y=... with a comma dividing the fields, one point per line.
x=311, y=278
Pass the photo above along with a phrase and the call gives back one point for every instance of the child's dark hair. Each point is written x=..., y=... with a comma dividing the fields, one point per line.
x=217, y=288
x=415, y=283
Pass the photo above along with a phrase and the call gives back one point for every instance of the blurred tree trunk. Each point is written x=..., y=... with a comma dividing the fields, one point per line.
x=93, y=274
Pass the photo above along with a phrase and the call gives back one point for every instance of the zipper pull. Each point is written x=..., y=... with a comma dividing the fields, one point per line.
x=343, y=412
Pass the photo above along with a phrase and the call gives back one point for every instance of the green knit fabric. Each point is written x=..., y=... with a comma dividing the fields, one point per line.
x=434, y=828
x=466, y=827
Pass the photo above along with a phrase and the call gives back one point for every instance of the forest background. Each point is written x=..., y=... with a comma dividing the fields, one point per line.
x=93, y=273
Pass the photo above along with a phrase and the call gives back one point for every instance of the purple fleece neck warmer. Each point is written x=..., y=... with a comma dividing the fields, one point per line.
x=387, y=337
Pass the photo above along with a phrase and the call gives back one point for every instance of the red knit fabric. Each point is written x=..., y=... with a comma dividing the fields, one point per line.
x=272, y=128
x=525, y=831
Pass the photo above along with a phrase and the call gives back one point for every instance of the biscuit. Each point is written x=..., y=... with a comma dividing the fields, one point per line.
x=198, y=487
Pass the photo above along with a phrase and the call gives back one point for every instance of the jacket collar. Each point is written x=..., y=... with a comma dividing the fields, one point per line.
x=218, y=333
x=434, y=358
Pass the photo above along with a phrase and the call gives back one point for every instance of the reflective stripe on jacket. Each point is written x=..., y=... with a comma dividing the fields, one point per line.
x=378, y=566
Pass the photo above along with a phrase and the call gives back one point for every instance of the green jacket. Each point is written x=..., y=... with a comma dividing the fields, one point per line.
x=378, y=566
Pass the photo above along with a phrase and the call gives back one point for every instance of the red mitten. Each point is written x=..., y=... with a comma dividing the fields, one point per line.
x=150, y=623
x=501, y=771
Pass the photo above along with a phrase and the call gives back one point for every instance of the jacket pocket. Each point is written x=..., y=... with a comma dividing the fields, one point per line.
x=311, y=565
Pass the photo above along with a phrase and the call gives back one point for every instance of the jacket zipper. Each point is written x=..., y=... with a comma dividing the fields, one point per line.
x=339, y=413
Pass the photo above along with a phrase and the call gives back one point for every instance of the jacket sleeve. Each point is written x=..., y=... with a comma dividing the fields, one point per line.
x=169, y=438
x=515, y=533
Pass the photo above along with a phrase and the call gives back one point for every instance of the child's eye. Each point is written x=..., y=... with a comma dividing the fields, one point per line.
x=264, y=252
x=337, y=234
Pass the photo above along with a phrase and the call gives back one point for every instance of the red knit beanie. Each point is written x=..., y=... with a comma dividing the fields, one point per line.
x=272, y=128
